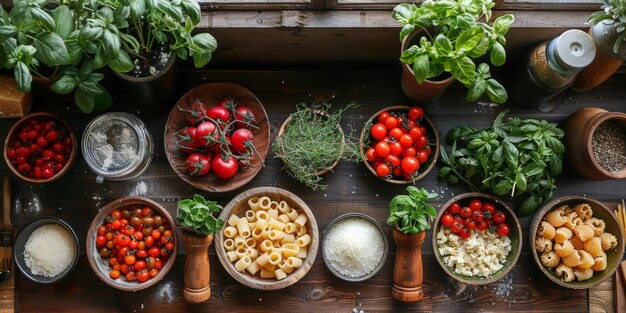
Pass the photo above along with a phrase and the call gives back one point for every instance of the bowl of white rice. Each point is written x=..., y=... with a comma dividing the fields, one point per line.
x=354, y=247
x=46, y=250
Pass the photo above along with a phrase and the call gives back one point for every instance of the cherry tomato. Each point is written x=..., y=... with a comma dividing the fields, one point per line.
x=392, y=160
x=206, y=134
x=397, y=171
x=422, y=157
x=457, y=226
x=454, y=208
x=101, y=241
x=154, y=252
x=421, y=142
x=410, y=165
x=489, y=207
x=102, y=230
x=503, y=229
x=149, y=241
x=465, y=233
x=415, y=133
x=415, y=113
x=115, y=274
x=139, y=265
x=476, y=204
x=477, y=215
x=169, y=246
x=122, y=240
x=469, y=224
x=130, y=276
x=383, y=116
x=143, y=276
x=133, y=244
x=224, y=168
x=195, y=113
x=115, y=224
x=446, y=219
x=396, y=133
x=153, y=272
x=391, y=122
x=197, y=164
x=383, y=170
x=129, y=259
x=244, y=117
x=482, y=225
x=395, y=148
x=218, y=114
x=409, y=152
x=371, y=155
x=379, y=131
x=465, y=212
x=382, y=149
x=498, y=217
x=242, y=139
x=156, y=234
x=406, y=140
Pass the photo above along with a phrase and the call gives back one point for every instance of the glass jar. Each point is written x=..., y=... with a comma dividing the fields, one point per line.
x=117, y=146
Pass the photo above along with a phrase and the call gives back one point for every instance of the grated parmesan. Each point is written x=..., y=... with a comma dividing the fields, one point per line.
x=354, y=247
x=49, y=250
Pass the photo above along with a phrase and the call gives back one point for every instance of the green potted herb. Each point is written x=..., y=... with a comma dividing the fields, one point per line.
x=311, y=143
x=440, y=41
x=609, y=34
x=514, y=157
x=410, y=216
x=198, y=225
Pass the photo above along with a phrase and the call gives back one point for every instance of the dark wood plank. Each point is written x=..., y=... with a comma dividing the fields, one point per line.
x=76, y=198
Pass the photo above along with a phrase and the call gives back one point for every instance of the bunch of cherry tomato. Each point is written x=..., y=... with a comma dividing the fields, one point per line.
x=40, y=148
x=136, y=241
x=217, y=139
x=477, y=215
x=400, y=144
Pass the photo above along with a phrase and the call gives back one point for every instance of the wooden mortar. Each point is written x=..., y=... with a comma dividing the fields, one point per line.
x=407, y=268
x=197, y=268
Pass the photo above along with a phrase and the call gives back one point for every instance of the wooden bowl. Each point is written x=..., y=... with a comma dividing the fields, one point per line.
x=432, y=133
x=614, y=257
x=210, y=95
x=101, y=266
x=515, y=235
x=238, y=206
x=12, y=133
x=322, y=171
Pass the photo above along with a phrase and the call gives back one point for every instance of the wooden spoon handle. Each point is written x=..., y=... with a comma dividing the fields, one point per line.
x=6, y=202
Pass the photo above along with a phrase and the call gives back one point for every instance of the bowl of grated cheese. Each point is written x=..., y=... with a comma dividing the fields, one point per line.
x=46, y=250
x=354, y=247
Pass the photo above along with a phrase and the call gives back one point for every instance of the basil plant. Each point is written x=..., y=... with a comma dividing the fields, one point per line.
x=65, y=42
x=452, y=35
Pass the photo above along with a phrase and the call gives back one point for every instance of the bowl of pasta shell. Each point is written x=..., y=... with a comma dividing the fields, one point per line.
x=576, y=241
x=270, y=238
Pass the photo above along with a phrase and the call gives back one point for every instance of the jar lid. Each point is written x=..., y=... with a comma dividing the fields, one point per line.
x=115, y=145
x=574, y=49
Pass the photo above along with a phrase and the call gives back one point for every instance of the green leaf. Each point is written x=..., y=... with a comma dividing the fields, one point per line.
x=555, y=144
x=528, y=206
x=168, y=9
x=503, y=187
x=406, y=30
x=44, y=18
x=201, y=59
x=64, y=21
x=192, y=8
x=421, y=68
x=502, y=24
x=51, y=49
x=137, y=9
x=84, y=100
x=111, y=43
x=206, y=42
x=132, y=41
x=403, y=13
x=121, y=62
x=22, y=76
x=497, y=54
x=443, y=45
x=103, y=101
x=511, y=154
x=476, y=89
x=496, y=92
x=7, y=31
x=464, y=70
x=64, y=85
x=444, y=171
x=520, y=183
x=469, y=39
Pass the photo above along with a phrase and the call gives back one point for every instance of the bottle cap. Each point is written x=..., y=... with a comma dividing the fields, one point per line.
x=574, y=49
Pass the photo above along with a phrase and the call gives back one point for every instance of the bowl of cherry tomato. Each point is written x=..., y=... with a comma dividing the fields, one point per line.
x=217, y=137
x=399, y=144
x=40, y=148
x=477, y=224
x=131, y=243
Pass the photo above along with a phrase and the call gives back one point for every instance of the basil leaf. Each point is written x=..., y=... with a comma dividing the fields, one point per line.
x=420, y=68
x=64, y=85
x=51, y=49
x=22, y=77
x=497, y=54
x=64, y=21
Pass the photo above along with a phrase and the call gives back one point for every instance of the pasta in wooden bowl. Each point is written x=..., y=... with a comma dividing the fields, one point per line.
x=270, y=239
x=576, y=241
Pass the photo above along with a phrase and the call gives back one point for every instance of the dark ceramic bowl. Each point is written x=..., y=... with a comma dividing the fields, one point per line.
x=613, y=257
x=385, y=248
x=515, y=235
x=20, y=242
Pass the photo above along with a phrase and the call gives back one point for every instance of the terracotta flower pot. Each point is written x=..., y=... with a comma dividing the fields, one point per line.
x=579, y=129
x=606, y=61
x=152, y=94
x=407, y=268
x=197, y=269
x=427, y=91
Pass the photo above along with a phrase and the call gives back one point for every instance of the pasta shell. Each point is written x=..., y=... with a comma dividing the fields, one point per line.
x=583, y=273
x=556, y=217
x=597, y=224
x=562, y=234
x=566, y=209
x=546, y=230
x=572, y=260
x=608, y=241
x=573, y=222
x=550, y=259
x=564, y=249
x=584, y=211
x=586, y=258
x=600, y=263
x=565, y=272
x=578, y=244
x=584, y=232
x=594, y=246
x=543, y=245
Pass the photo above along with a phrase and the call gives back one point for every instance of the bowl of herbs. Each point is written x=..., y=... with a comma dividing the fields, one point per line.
x=311, y=143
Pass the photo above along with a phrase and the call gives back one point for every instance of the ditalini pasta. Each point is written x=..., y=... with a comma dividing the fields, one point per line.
x=270, y=239
x=578, y=241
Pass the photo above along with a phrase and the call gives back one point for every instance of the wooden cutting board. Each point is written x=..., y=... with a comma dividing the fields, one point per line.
x=620, y=288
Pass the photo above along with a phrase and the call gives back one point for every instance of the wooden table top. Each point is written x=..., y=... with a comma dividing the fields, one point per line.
x=352, y=188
